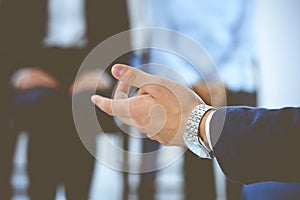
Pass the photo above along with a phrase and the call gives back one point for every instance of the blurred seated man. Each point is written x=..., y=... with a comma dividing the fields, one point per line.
x=46, y=42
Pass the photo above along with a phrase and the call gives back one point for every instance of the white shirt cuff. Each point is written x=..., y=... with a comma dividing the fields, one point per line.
x=207, y=130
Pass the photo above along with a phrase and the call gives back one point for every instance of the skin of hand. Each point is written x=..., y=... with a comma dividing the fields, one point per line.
x=33, y=77
x=160, y=109
x=87, y=80
x=212, y=92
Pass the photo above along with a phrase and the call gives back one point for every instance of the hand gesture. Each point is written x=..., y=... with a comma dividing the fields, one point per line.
x=160, y=109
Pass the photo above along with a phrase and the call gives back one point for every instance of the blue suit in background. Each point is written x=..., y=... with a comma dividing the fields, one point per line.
x=271, y=191
x=225, y=30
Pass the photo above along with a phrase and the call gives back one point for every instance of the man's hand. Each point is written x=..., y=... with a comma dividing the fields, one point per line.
x=212, y=92
x=160, y=109
x=29, y=78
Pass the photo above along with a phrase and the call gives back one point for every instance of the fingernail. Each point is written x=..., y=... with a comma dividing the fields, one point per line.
x=93, y=98
x=118, y=70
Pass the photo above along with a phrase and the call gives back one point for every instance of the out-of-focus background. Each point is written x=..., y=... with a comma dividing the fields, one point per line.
x=277, y=30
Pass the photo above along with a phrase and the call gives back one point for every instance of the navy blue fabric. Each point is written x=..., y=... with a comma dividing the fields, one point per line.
x=271, y=191
x=30, y=96
x=257, y=144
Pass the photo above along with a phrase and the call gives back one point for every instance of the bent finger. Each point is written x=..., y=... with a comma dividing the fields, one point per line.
x=130, y=75
x=122, y=90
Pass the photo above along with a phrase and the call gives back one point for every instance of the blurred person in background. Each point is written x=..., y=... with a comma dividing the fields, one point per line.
x=7, y=135
x=225, y=30
x=45, y=42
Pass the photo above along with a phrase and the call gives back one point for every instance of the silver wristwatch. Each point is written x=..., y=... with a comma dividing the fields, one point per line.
x=191, y=135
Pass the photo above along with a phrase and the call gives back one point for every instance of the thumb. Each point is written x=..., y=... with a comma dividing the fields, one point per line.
x=132, y=76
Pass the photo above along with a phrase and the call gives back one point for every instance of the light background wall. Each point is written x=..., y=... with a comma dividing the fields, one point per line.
x=278, y=32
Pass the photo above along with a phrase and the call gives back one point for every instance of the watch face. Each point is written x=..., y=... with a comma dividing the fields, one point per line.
x=193, y=145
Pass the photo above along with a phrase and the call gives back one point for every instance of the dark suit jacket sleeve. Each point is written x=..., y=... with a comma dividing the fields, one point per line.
x=255, y=144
